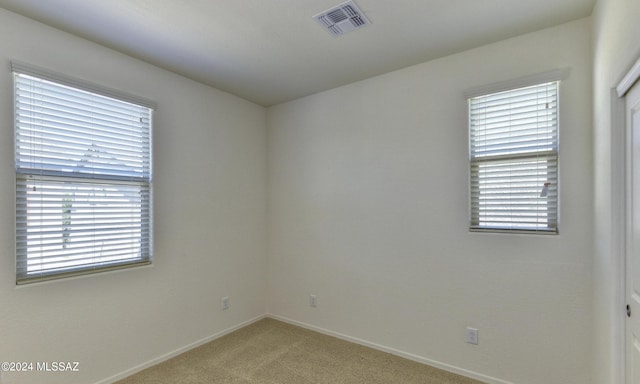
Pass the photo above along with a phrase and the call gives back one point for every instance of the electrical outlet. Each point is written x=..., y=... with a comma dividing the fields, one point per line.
x=225, y=303
x=472, y=336
x=313, y=300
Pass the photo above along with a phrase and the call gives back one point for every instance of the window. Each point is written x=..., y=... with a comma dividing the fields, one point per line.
x=83, y=177
x=513, y=146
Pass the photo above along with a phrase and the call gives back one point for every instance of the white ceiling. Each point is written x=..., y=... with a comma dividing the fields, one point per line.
x=271, y=51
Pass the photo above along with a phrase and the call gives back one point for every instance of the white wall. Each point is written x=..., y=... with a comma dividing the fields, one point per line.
x=367, y=204
x=615, y=48
x=210, y=238
x=368, y=210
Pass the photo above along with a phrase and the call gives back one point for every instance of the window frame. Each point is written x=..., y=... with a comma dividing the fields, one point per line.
x=529, y=81
x=75, y=178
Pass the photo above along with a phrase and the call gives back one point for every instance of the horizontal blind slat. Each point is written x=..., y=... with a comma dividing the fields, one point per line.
x=513, y=145
x=83, y=180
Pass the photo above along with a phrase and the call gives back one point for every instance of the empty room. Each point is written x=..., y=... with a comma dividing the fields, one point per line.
x=320, y=191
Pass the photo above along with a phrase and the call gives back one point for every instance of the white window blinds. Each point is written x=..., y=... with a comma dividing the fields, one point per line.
x=513, y=142
x=83, y=180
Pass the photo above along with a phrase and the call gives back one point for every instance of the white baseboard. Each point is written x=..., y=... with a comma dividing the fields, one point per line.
x=177, y=352
x=406, y=355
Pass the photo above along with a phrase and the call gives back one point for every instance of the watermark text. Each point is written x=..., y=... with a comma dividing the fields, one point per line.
x=40, y=366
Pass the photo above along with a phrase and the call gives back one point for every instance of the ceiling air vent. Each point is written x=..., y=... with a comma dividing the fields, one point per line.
x=342, y=18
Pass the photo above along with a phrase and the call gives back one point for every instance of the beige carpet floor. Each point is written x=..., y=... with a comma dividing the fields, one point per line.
x=273, y=352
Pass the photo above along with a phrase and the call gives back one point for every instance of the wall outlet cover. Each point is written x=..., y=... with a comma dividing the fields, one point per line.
x=472, y=335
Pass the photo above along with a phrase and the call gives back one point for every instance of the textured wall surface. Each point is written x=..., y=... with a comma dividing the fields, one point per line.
x=366, y=207
x=209, y=190
x=368, y=197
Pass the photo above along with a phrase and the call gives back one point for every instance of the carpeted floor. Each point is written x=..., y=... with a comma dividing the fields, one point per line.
x=273, y=352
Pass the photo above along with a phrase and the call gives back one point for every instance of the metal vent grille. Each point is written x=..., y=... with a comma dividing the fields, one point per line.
x=342, y=18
